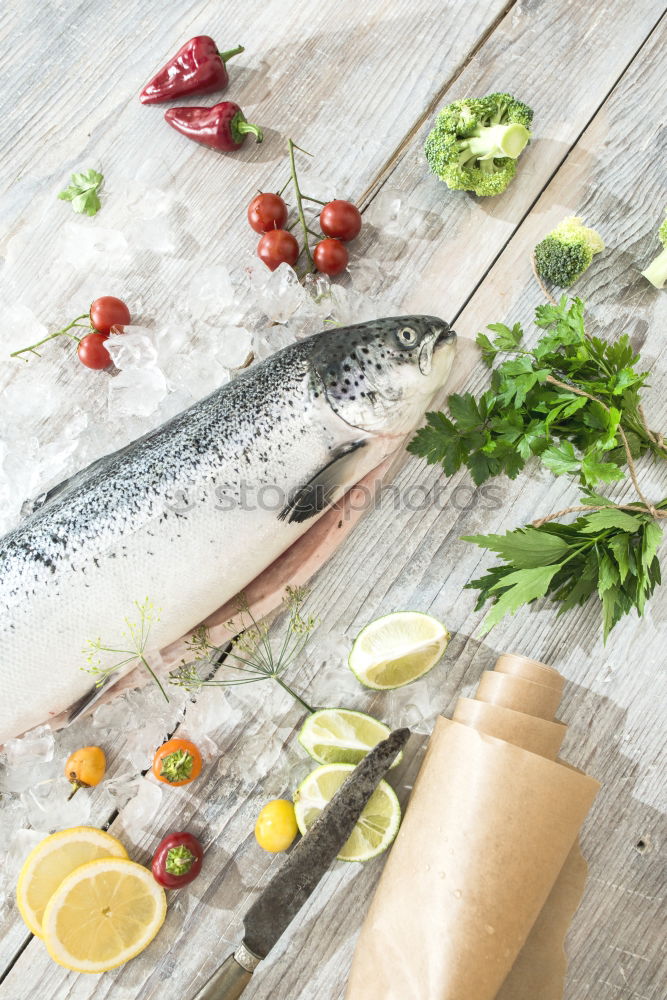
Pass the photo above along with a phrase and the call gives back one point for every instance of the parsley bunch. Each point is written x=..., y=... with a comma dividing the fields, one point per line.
x=609, y=553
x=540, y=404
x=83, y=191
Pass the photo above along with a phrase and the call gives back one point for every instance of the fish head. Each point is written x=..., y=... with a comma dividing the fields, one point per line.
x=380, y=375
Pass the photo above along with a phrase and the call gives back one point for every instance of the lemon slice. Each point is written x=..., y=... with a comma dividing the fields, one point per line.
x=53, y=859
x=341, y=736
x=376, y=827
x=397, y=649
x=103, y=914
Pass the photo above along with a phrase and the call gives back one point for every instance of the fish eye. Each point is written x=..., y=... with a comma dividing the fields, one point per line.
x=407, y=337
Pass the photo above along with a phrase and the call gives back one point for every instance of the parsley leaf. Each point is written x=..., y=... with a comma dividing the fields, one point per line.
x=83, y=190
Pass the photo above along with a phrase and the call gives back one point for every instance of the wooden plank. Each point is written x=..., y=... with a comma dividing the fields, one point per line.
x=81, y=114
x=432, y=573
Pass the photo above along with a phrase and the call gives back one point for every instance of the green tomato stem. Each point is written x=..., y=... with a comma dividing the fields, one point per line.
x=51, y=336
x=299, y=203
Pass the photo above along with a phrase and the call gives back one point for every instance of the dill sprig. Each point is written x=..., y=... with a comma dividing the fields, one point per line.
x=131, y=645
x=253, y=656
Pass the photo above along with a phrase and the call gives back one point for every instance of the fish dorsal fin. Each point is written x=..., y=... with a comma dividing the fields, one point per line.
x=318, y=493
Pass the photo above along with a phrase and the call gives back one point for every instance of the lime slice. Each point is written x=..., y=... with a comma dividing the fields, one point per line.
x=341, y=736
x=397, y=649
x=376, y=827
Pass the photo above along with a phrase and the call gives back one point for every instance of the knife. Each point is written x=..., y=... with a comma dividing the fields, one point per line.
x=270, y=915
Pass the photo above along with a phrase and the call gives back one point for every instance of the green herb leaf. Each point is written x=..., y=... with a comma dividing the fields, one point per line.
x=83, y=190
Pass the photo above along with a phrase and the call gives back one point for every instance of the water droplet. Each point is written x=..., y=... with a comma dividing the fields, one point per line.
x=458, y=893
x=489, y=929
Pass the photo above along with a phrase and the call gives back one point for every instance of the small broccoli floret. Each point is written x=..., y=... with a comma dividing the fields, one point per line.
x=656, y=272
x=475, y=143
x=564, y=255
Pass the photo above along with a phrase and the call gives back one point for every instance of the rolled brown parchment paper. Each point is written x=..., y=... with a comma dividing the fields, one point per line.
x=476, y=892
x=536, y=735
x=531, y=670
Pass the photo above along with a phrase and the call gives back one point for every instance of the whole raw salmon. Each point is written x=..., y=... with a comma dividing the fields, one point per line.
x=192, y=512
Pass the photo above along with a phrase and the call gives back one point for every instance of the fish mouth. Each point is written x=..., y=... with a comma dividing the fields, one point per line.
x=439, y=337
x=445, y=336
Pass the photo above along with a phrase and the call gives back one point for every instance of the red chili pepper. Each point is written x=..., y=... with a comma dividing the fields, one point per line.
x=197, y=68
x=223, y=126
x=177, y=860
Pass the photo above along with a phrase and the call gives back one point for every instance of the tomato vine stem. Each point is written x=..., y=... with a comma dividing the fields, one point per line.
x=59, y=333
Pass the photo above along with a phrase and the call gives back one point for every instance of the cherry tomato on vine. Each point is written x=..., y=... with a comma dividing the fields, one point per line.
x=330, y=256
x=177, y=762
x=107, y=311
x=92, y=352
x=278, y=247
x=267, y=211
x=341, y=220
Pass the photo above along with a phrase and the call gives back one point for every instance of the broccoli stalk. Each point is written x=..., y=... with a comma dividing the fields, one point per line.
x=564, y=255
x=475, y=143
x=656, y=272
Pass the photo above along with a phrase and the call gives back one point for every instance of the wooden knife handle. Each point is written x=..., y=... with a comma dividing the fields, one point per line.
x=229, y=981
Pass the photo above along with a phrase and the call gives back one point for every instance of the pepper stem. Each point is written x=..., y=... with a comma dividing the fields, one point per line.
x=59, y=333
x=247, y=128
x=179, y=860
x=230, y=53
x=299, y=205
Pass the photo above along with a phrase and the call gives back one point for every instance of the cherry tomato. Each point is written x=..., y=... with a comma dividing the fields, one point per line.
x=85, y=768
x=92, y=352
x=266, y=212
x=106, y=311
x=340, y=219
x=276, y=826
x=177, y=860
x=278, y=247
x=177, y=762
x=330, y=256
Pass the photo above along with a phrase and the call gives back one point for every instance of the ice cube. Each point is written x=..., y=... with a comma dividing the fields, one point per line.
x=135, y=348
x=386, y=211
x=268, y=340
x=20, y=846
x=366, y=275
x=234, y=346
x=196, y=378
x=281, y=294
x=142, y=810
x=49, y=808
x=212, y=711
x=136, y=392
x=36, y=747
x=86, y=245
x=20, y=327
x=211, y=293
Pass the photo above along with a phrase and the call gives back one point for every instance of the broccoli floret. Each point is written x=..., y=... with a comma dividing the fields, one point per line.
x=475, y=143
x=656, y=272
x=564, y=255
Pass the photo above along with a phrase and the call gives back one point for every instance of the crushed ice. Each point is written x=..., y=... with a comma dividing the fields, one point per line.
x=187, y=338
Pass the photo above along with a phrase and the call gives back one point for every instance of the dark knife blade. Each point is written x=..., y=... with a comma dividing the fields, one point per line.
x=290, y=887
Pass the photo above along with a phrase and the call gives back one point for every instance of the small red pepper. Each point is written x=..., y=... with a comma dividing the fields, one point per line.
x=177, y=860
x=223, y=126
x=197, y=68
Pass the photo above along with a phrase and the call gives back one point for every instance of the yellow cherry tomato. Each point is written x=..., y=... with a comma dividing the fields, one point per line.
x=276, y=826
x=85, y=768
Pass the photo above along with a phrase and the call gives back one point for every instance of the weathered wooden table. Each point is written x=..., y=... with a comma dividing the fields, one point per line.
x=358, y=84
